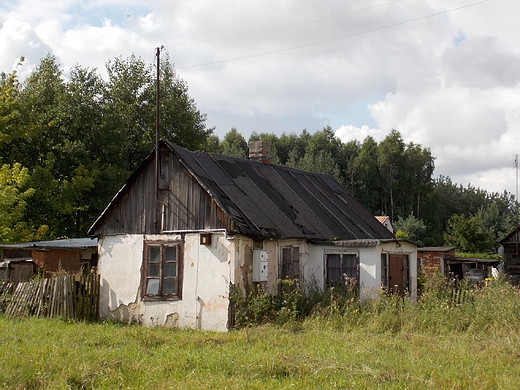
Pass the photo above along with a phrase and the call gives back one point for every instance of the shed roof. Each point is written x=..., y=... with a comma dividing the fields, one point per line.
x=275, y=201
x=512, y=237
x=436, y=248
x=64, y=244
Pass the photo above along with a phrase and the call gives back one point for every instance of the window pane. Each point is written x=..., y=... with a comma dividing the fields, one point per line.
x=290, y=262
x=296, y=253
x=333, y=261
x=152, y=287
x=170, y=253
x=154, y=254
x=286, y=269
x=349, y=261
x=170, y=270
x=296, y=268
x=169, y=286
x=334, y=275
x=153, y=270
x=286, y=262
x=350, y=273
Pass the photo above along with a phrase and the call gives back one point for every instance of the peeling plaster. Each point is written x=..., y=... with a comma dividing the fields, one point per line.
x=207, y=275
x=128, y=314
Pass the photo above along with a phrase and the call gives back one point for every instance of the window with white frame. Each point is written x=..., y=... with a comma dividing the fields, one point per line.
x=342, y=268
x=162, y=270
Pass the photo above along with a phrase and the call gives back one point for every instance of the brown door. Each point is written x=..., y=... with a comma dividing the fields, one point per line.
x=395, y=274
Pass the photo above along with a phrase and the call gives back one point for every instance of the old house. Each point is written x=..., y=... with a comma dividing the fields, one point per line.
x=385, y=220
x=20, y=261
x=510, y=251
x=188, y=225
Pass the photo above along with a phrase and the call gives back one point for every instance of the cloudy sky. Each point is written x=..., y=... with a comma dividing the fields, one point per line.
x=445, y=73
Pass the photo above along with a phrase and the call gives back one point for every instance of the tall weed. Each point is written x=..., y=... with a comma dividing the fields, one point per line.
x=442, y=306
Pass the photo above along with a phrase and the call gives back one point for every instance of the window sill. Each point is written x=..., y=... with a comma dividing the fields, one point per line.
x=160, y=298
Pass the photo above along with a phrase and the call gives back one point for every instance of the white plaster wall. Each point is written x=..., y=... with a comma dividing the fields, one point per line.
x=119, y=265
x=369, y=270
x=369, y=264
x=314, y=270
x=207, y=272
x=313, y=263
x=205, y=288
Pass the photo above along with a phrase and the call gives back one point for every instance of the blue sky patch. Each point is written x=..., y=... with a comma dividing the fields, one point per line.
x=459, y=39
x=97, y=16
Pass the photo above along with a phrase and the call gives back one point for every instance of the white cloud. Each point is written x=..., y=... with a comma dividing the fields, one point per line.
x=447, y=80
x=352, y=133
x=149, y=23
x=18, y=38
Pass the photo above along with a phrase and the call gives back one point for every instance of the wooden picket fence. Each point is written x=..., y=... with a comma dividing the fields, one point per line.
x=73, y=297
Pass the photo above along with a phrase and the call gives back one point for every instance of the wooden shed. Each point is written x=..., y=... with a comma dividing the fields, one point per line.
x=51, y=257
x=432, y=258
x=510, y=248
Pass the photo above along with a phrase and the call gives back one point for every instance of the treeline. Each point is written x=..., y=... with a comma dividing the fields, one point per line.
x=396, y=179
x=67, y=145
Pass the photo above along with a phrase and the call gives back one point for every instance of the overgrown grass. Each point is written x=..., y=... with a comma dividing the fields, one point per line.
x=469, y=255
x=467, y=338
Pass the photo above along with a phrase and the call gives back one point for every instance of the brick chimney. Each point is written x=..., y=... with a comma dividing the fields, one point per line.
x=260, y=151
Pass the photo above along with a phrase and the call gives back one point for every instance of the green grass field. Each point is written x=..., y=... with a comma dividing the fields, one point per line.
x=442, y=342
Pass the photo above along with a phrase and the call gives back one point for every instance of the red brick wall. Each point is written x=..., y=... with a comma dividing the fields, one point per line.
x=432, y=259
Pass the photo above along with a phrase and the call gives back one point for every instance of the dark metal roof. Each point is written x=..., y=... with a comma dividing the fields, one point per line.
x=436, y=248
x=275, y=201
x=512, y=238
x=64, y=244
x=472, y=260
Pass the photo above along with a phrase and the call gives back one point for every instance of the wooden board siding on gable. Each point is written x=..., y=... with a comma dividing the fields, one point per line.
x=187, y=206
x=132, y=211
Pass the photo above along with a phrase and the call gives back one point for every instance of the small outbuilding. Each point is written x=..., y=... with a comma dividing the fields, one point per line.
x=510, y=250
x=443, y=259
x=187, y=226
x=20, y=261
x=432, y=258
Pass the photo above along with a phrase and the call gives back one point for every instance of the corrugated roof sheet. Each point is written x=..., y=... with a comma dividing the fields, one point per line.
x=66, y=244
x=275, y=201
x=436, y=248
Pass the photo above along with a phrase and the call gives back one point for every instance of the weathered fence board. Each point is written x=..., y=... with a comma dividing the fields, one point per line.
x=6, y=289
x=66, y=296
